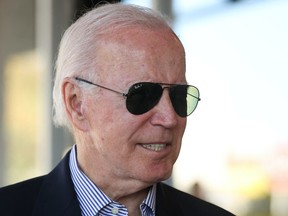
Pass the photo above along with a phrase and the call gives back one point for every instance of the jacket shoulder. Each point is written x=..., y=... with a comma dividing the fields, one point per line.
x=184, y=204
x=19, y=198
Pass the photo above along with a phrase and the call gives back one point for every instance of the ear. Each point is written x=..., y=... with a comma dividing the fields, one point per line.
x=73, y=101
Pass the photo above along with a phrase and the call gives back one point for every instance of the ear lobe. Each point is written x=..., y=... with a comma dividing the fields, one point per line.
x=72, y=97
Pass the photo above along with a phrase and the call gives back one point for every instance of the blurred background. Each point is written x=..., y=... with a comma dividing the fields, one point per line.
x=235, y=149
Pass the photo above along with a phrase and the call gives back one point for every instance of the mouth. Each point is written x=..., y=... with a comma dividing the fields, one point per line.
x=154, y=147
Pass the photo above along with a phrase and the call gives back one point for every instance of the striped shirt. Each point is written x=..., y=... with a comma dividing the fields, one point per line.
x=94, y=202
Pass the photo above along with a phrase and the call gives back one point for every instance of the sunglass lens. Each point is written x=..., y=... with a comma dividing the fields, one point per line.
x=184, y=99
x=142, y=97
x=192, y=99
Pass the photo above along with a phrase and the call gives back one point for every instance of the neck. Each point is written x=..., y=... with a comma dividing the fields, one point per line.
x=127, y=191
x=133, y=201
x=129, y=196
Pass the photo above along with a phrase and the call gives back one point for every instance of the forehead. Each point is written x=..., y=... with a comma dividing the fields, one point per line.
x=139, y=54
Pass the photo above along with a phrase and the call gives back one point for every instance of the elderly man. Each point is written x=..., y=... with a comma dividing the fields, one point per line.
x=120, y=88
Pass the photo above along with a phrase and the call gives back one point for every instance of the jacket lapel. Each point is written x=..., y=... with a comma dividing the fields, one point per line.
x=164, y=205
x=57, y=195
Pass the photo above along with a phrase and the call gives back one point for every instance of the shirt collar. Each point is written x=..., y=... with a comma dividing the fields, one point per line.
x=92, y=199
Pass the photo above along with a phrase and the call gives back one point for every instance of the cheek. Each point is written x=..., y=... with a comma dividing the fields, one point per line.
x=182, y=125
x=180, y=133
x=111, y=126
x=101, y=112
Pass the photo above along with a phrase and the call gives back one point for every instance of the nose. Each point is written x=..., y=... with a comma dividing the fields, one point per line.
x=164, y=113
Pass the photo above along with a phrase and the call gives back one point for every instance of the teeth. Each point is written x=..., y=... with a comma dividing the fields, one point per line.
x=154, y=147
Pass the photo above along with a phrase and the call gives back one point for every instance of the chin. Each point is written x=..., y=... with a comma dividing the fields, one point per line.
x=155, y=173
x=160, y=176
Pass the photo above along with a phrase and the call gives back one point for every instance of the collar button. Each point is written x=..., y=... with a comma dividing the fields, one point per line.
x=115, y=211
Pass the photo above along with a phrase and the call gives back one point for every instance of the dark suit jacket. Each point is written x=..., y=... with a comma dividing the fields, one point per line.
x=53, y=195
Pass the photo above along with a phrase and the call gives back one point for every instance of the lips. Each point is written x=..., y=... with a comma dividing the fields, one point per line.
x=154, y=147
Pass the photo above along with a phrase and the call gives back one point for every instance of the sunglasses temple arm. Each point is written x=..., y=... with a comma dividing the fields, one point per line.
x=123, y=94
x=194, y=96
x=86, y=81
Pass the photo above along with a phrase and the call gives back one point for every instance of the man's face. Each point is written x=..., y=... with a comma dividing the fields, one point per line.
x=118, y=144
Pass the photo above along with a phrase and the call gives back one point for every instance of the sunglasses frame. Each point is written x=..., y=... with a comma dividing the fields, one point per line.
x=166, y=85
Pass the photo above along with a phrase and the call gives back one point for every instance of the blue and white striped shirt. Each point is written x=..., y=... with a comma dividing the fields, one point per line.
x=93, y=201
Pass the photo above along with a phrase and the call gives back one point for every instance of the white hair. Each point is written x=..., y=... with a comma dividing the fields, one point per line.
x=77, y=51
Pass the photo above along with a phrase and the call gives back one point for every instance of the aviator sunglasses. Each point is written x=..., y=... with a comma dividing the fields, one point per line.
x=143, y=96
